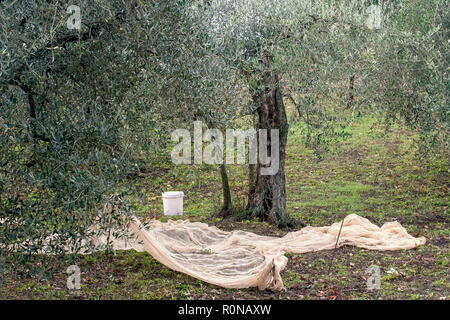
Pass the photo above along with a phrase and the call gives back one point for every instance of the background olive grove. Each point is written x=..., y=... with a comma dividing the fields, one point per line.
x=83, y=109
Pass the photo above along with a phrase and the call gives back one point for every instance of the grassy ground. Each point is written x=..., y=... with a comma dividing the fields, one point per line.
x=373, y=174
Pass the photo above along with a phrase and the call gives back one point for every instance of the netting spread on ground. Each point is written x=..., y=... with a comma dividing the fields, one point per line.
x=240, y=259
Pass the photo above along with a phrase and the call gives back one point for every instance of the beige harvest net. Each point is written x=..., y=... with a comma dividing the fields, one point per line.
x=240, y=259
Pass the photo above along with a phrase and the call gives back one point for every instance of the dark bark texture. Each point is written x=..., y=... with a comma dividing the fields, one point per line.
x=267, y=198
x=350, y=92
x=227, y=205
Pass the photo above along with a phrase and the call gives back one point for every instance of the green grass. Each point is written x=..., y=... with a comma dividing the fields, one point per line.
x=375, y=174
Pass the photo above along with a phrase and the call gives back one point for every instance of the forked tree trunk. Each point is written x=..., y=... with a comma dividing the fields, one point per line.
x=227, y=204
x=267, y=198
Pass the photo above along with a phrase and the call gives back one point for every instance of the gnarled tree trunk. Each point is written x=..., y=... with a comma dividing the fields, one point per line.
x=267, y=198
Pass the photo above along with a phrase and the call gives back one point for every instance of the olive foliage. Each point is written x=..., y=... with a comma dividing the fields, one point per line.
x=80, y=110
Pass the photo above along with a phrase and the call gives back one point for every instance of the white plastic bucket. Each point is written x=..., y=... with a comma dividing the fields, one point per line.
x=173, y=203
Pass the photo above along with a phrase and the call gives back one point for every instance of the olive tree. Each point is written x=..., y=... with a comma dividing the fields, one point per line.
x=308, y=52
x=74, y=117
x=266, y=41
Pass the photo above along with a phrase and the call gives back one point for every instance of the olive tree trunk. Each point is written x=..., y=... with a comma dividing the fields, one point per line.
x=267, y=197
x=227, y=205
